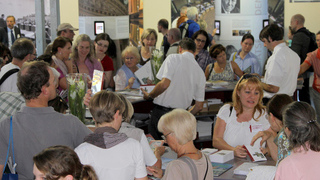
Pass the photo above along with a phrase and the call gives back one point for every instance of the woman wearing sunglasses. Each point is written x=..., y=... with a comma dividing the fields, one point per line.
x=238, y=122
x=221, y=69
x=201, y=39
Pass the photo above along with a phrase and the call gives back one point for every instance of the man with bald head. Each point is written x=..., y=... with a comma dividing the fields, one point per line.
x=174, y=37
x=300, y=44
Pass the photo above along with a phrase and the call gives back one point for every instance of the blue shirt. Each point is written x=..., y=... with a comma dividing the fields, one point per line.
x=193, y=27
x=250, y=63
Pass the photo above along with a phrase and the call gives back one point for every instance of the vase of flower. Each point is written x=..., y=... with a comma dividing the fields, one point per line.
x=77, y=88
x=156, y=62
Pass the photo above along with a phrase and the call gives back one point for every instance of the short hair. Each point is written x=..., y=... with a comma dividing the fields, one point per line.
x=252, y=82
x=32, y=76
x=148, y=32
x=4, y=50
x=104, y=105
x=59, y=161
x=204, y=33
x=215, y=50
x=187, y=44
x=128, y=111
x=318, y=33
x=164, y=23
x=247, y=36
x=10, y=16
x=299, y=18
x=75, y=52
x=203, y=24
x=131, y=49
x=300, y=119
x=175, y=33
x=59, y=42
x=277, y=103
x=181, y=123
x=21, y=48
x=184, y=9
x=273, y=31
x=192, y=13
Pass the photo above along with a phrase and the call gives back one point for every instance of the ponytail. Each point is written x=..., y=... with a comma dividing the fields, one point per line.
x=87, y=173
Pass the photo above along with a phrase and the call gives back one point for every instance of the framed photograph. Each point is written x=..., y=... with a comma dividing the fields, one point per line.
x=265, y=23
x=217, y=25
x=98, y=27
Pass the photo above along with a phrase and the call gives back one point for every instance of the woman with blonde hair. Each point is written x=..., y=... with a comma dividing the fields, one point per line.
x=106, y=149
x=125, y=78
x=61, y=162
x=149, y=39
x=179, y=128
x=238, y=122
x=83, y=56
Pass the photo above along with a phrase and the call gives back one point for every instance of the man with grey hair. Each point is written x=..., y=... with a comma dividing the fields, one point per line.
x=37, y=126
x=64, y=30
x=190, y=26
x=182, y=81
x=301, y=40
x=22, y=50
x=180, y=19
x=174, y=37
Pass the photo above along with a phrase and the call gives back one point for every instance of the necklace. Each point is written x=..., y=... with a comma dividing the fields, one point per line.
x=188, y=153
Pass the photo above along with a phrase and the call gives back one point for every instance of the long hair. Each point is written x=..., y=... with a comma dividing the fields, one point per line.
x=253, y=83
x=59, y=161
x=75, y=51
x=300, y=119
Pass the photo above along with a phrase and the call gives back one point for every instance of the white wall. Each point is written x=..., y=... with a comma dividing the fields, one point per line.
x=310, y=11
x=153, y=11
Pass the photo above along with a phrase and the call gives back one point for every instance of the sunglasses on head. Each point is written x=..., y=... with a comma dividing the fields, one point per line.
x=247, y=76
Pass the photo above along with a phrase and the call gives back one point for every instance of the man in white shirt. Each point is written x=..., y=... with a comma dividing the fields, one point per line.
x=182, y=80
x=283, y=65
x=22, y=50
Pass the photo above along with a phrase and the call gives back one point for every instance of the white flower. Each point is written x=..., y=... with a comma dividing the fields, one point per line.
x=81, y=85
x=73, y=95
x=71, y=80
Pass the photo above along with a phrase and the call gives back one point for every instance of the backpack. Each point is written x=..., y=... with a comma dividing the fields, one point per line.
x=184, y=29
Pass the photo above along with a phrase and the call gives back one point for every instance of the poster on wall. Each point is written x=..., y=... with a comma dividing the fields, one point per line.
x=230, y=6
x=276, y=12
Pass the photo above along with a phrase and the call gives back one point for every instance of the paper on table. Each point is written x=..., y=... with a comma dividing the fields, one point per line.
x=244, y=168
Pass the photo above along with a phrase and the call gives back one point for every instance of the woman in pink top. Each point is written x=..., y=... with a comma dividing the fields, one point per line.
x=313, y=59
x=83, y=56
x=304, y=137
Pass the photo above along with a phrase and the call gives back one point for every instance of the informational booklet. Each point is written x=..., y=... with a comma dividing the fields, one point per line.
x=220, y=168
x=147, y=88
x=244, y=168
x=154, y=143
x=144, y=73
x=97, y=81
x=255, y=153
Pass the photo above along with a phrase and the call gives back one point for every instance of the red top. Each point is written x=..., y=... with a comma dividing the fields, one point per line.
x=107, y=63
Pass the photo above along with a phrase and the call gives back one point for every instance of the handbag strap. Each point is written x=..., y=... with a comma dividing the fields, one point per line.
x=207, y=167
x=10, y=142
x=191, y=165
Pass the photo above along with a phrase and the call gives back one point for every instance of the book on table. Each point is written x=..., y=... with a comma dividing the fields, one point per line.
x=244, y=168
x=220, y=168
x=255, y=153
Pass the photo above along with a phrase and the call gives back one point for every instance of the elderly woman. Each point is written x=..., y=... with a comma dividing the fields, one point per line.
x=61, y=162
x=149, y=39
x=221, y=69
x=180, y=128
x=101, y=44
x=238, y=122
x=61, y=49
x=83, y=56
x=201, y=39
x=113, y=155
x=304, y=136
x=246, y=60
x=125, y=78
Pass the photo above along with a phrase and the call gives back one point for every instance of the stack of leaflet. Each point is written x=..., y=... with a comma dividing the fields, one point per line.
x=214, y=101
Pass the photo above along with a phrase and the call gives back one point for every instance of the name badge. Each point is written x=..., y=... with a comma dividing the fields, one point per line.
x=256, y=127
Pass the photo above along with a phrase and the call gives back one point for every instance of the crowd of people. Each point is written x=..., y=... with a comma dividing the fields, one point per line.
x=50, y=144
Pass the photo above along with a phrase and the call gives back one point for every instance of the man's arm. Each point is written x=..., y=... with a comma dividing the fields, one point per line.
x=158, y=89
x=1, y=170
x=197, y=107
x=270, y=88
x=303, y=67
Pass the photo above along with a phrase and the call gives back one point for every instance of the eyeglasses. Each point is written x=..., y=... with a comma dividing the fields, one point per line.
x=247, y=76
x=101, y=45
x=164, y=137
x=200, y=40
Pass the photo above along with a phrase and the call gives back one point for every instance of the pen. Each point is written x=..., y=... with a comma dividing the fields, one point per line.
x=250, y=128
